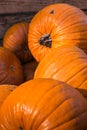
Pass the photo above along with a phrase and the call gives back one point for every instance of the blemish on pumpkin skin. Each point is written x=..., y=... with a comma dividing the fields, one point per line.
x=20, y=128
x=52, y=12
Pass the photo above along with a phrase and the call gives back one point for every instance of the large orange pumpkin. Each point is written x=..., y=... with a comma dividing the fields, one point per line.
x=56, y=25
x=66, y=63
x=5, y=90
x=44, y=104
x=11, y=71
x=16, y=40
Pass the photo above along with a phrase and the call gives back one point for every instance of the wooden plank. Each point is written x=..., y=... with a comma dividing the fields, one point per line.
x=19, y=6
x=9, y=20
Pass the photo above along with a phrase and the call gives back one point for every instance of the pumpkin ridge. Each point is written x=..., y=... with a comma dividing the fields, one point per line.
x=70, y=52
x=84, y=31
x=24, y=29
x=63, y=102
x=79, y=86
x=76, y=23
x=66, y=28
x=73, y=61
x=65, y=11
x=82, y=83
x=47, y=116
x=64, y=65
x=40, y=99
x=65, y=19
x=60, y=56
x=70, y=61
x=21, y=34
x=75, y=75
x=69, y=15
x=71, y=24
x=80, y=114
x=68, y=40
x=69, y=35
x=12, y=43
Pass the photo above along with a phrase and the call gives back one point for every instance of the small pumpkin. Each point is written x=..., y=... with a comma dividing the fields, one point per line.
x=29, y=69
x=11, y=70
x=46, y=104
x=56, y=25
x=5, y=90
x=16, y=40
x=67, y=64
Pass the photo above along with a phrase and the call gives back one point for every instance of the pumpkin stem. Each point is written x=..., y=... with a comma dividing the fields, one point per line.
x=12, y=68
x=46, y=40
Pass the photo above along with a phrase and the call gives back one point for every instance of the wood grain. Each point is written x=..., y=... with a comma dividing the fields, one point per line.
x=19, y=6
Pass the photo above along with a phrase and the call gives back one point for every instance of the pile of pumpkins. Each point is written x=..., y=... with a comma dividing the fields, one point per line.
x=43, y=71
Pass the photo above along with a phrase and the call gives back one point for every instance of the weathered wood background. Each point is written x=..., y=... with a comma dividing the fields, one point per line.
x=14, y=11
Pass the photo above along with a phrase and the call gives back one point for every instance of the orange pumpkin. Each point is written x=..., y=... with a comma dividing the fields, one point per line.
x=29, y=69
x=56, y=25
x=66, y=63
x=16, y=40
x=44, y=104
x=5, y=90
x=11, y=71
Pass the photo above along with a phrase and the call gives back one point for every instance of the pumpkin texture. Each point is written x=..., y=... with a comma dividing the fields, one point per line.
x=66, y=63
x=16, y=40
x=11, y=71
x=5, y=90
x=56, y=25
x=46, y=104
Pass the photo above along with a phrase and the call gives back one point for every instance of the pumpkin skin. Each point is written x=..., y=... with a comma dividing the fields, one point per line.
x=56, y=25
x=11, y=71
x=5, y=90
x=45, y=104
x=16, y=40
x=67, y=64
x=29, y=69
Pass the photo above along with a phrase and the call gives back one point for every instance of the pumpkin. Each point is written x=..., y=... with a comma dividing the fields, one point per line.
x=5, y=90
x=29, y=69
x=11, y=70
x=67, y=64
x=56, y=25
x=44, y=104
x=16, y=40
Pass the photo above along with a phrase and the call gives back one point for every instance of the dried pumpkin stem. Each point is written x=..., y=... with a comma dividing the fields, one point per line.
x=46, y=40
x=12, y=68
